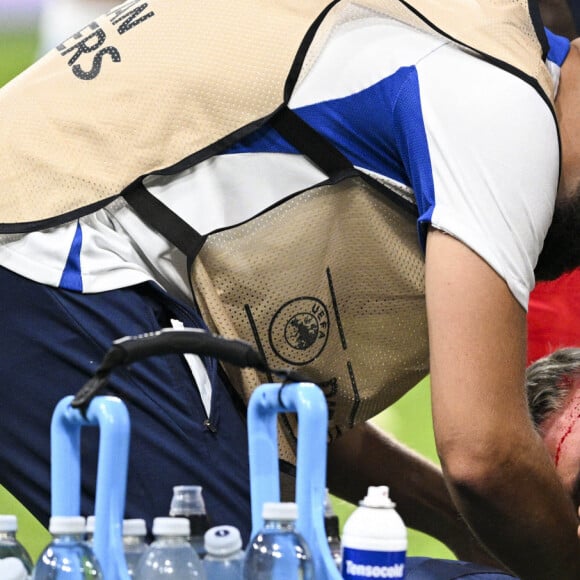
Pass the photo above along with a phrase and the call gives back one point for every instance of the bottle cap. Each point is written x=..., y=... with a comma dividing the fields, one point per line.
x=187, y=500
x=285, y=511
x=90, y=528
x=222, y=540
x=377, y=497
x=67, y=525
x=8, y=523
x=171, y=527
x=135, y=527
x=12, y=569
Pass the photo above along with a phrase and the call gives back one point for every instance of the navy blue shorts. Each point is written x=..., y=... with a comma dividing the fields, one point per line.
x=51, y=343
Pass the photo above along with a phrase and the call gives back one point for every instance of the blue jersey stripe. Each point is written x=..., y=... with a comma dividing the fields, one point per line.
x=71, y=276
x=559, y=48
x=363, y=126
x=264, y=140
x=380, y=129
x=414, y=150
x=359, y=125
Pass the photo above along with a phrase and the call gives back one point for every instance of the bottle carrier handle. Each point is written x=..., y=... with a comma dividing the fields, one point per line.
x=111, y=416
x=308, y=401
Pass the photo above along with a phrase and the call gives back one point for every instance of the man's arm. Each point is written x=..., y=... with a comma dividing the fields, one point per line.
x=366, y=456
x=495, y=465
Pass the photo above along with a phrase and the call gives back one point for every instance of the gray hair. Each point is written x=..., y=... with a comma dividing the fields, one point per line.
x=548, y=381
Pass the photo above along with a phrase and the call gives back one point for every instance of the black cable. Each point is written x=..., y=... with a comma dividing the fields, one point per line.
x=176, y=341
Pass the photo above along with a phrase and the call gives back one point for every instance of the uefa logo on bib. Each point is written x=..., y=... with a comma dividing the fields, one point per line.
x=299, y=330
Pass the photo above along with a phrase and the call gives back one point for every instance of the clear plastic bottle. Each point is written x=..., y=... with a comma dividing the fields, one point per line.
x=332, y=528
x=224, y=556
x=374, y=537
x=187, y=502
x=68, y=556
x=278, y=551
x=10, y=547
x=12, y=568
x=170, y=555
x=134, y=544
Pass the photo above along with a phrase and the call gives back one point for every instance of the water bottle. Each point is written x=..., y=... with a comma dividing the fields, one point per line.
x=278, y=551
x=331, y=526
x=170, y=555
x=134, y=545
x=187, y=502
x=224, y=556
x=12, y=568
x=10, y=547
x=68, y=556
x=374, y=539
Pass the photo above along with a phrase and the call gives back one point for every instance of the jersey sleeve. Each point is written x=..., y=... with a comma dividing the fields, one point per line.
x=491, y=173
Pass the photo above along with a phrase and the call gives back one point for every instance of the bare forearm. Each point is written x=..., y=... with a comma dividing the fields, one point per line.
x=530, y=515
x=498, y=472
x=367, y=456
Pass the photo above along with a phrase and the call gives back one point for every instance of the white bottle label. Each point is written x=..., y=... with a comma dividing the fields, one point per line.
x=366, y=564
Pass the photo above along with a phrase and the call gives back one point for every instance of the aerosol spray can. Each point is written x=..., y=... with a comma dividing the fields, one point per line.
x=374, y=539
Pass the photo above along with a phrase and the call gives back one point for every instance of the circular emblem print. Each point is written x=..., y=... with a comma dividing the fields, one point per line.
x=299, y=330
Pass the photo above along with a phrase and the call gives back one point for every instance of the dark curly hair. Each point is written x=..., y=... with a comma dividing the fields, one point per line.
x=561, y=251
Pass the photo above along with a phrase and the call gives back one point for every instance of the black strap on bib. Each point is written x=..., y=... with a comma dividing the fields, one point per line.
x=292, y=128
x=536, y=17
x=164, y=220
x=311, y=144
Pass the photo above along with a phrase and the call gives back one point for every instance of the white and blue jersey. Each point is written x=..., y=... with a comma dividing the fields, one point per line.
x=474, y=147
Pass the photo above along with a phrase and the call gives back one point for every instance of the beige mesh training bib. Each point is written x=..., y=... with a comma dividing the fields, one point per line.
x=151, y=83
x=336, y=292
x=330, y=282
